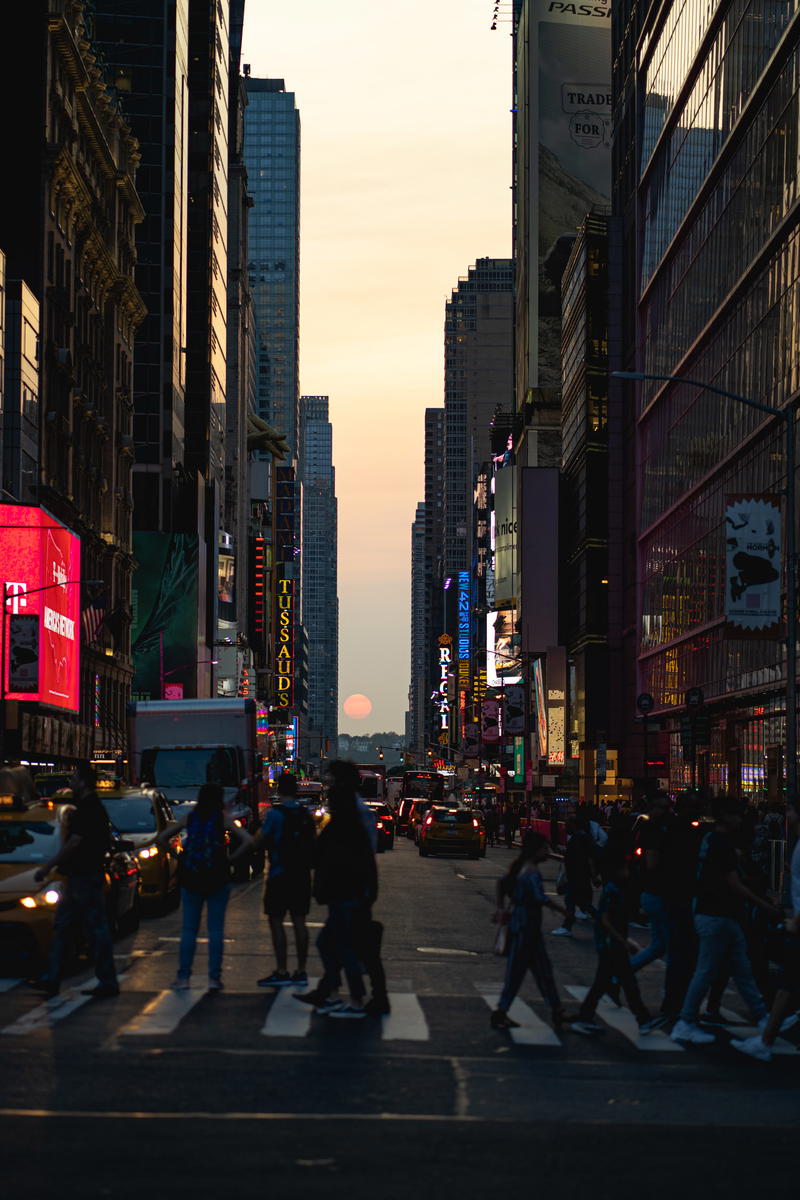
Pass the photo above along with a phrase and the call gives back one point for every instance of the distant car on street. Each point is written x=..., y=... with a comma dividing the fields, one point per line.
x=452, y=831
x=384, y=824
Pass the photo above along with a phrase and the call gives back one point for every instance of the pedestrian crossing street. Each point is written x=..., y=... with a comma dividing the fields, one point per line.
x=164, y=1013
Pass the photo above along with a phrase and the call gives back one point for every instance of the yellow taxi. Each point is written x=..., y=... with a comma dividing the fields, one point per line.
x=449, y=830
x=139, y=815
x=29, y=836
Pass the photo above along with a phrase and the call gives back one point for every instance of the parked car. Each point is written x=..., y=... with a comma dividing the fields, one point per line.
x=29, y=836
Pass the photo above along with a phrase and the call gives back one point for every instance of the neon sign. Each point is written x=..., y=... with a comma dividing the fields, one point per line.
x=284, y=656
x=443, y=693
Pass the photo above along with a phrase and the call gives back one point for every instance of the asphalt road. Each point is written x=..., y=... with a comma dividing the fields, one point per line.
x=245, y=1092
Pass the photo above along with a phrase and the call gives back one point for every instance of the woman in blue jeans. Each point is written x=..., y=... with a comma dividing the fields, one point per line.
x=205, y=879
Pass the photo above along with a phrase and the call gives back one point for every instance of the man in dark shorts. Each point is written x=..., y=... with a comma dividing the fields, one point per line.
x=289, y=832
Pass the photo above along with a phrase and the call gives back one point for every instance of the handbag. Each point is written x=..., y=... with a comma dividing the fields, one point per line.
x=500, y=948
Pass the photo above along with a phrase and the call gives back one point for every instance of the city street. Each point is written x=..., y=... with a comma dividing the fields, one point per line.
x=245, y=1092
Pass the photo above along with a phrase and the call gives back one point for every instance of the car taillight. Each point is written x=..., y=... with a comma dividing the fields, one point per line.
x=379, y=824
x=638, y=851
x=475, y=823
x=429, y=820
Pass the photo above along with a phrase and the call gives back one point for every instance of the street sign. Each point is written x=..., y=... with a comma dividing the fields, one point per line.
x=694, y=697
x=645, y=702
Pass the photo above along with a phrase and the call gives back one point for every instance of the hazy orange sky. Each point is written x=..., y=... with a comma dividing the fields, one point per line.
x=406, y=174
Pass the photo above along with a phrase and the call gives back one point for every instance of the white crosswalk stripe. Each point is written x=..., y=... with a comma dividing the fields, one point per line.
x=288, y=1017
x=406, y=1022
x=624, y=1022
x=7, y=984
x=45, y=1015
x=533, y=1031
x=164, y=1013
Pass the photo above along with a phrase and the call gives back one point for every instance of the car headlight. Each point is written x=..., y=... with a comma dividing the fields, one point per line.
x=147, y=852
x=46, y=899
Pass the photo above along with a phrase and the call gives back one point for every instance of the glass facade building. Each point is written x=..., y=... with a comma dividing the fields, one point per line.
x=478, y=378
x=718, y=301
x=146, y=48
x=272, y=159
x=319, y=564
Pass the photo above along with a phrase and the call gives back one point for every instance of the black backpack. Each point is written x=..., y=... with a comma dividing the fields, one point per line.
x=296, y=840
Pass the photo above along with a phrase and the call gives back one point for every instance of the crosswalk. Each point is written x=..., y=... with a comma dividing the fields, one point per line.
x=413, y=1017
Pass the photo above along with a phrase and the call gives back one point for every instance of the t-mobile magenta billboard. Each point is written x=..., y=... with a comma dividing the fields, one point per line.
x=40, y=572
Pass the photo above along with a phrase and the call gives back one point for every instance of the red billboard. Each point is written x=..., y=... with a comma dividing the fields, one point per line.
x=40, y=571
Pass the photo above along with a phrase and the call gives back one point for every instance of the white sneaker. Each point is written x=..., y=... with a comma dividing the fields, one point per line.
x=582, y=916
x=754, y=1047
x=684, y=1031
x=180, y=985
x=347, y=1012
x=562, y=931
x=786, y=1024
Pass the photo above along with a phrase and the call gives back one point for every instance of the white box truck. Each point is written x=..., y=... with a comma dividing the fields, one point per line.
x=178, y=745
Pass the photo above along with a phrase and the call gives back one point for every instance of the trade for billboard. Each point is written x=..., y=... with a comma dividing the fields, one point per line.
x=40, y=570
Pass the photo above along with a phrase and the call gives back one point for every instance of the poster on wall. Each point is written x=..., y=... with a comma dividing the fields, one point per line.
x=556, y=705
x=164, y=598
x=541, y=708
x=753, y=602
x=505, y=537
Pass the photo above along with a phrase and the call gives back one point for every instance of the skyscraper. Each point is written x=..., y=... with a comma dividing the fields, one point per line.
x=415, y=725
x=478, y=378
x=145, y=44
x=272, y=158
x=319, y=564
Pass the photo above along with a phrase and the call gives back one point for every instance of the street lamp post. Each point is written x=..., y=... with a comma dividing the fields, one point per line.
x=787, y=416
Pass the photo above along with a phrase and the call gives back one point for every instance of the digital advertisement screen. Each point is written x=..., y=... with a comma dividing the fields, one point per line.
x=40, y=570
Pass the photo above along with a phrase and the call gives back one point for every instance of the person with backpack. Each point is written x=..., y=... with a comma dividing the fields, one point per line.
x=289, y=833
x=86, y=841
x=204, y=876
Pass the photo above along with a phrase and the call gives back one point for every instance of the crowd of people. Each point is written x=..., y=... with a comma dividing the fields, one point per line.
x=701, y=883
x=337, y=866
x=703, y=886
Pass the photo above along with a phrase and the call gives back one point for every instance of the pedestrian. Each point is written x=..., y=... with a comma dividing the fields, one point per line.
x=490, y=823
x=86, y=840
x=780, y=1019
x=579, y=870
x=345, y=879
x=524, y=887
x=719, y=901
x=613, y=949
x=509, y=824
x=289, y=833
x=652, y=880
x=204, y=876
x=678, y=855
